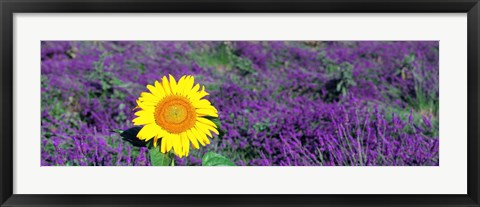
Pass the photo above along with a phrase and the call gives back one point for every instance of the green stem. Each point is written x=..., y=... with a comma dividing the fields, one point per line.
x=172, y=158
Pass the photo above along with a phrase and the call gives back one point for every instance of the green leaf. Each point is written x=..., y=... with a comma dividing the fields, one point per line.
x=117, y=131
x=214, y=159
x=157, y=158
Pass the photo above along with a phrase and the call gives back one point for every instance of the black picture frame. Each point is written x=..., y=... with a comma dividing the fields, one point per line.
x=10, y=7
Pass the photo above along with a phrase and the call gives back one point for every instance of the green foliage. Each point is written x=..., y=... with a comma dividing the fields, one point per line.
x=214, y=159
x=261, y=126
x=422, y=101
x=404, y=115
x=409, y=59
x=330, y=65
x=158, y=158
x=245, y=66
x=107, y=80
x=406, y=66
x=346, y=79
x=223, y=58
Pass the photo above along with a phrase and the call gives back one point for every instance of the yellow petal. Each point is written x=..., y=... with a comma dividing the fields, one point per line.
x=160, y=134
x=209, y=127
x=196, y=88
x=199, y=95
x=168, y=142
x=143, y=120
x=206, y=112
x=145, y=104
x=192, y=94
x=152, y=90
x=204, y=103
x=158, y=92
x=185, y=143
x=192, y=139
x=148, y=97
x=160, y=88
x=155, y=140
x=205, y=138
x=189, y=80
x=181, y=85
x=144, y=113
x=173, y=85
x=177, y=146
x=166, y=86
x=163, y=146
x=206, y=121
x=198, y=136
x=147, y=132
x=201, y=128
x=202, y=93
x=146, y=107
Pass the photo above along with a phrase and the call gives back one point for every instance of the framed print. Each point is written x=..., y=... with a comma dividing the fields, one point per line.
x=239, y=103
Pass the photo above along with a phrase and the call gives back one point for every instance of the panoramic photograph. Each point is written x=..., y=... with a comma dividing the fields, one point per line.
x=240, y=103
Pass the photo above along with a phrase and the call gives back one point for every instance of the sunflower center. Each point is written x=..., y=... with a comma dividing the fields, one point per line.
x=175, y=114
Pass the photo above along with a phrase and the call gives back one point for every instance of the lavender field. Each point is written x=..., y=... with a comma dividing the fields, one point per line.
x=291, y=103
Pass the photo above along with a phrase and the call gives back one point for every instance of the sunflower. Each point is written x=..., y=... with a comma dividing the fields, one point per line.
x=177, y=114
